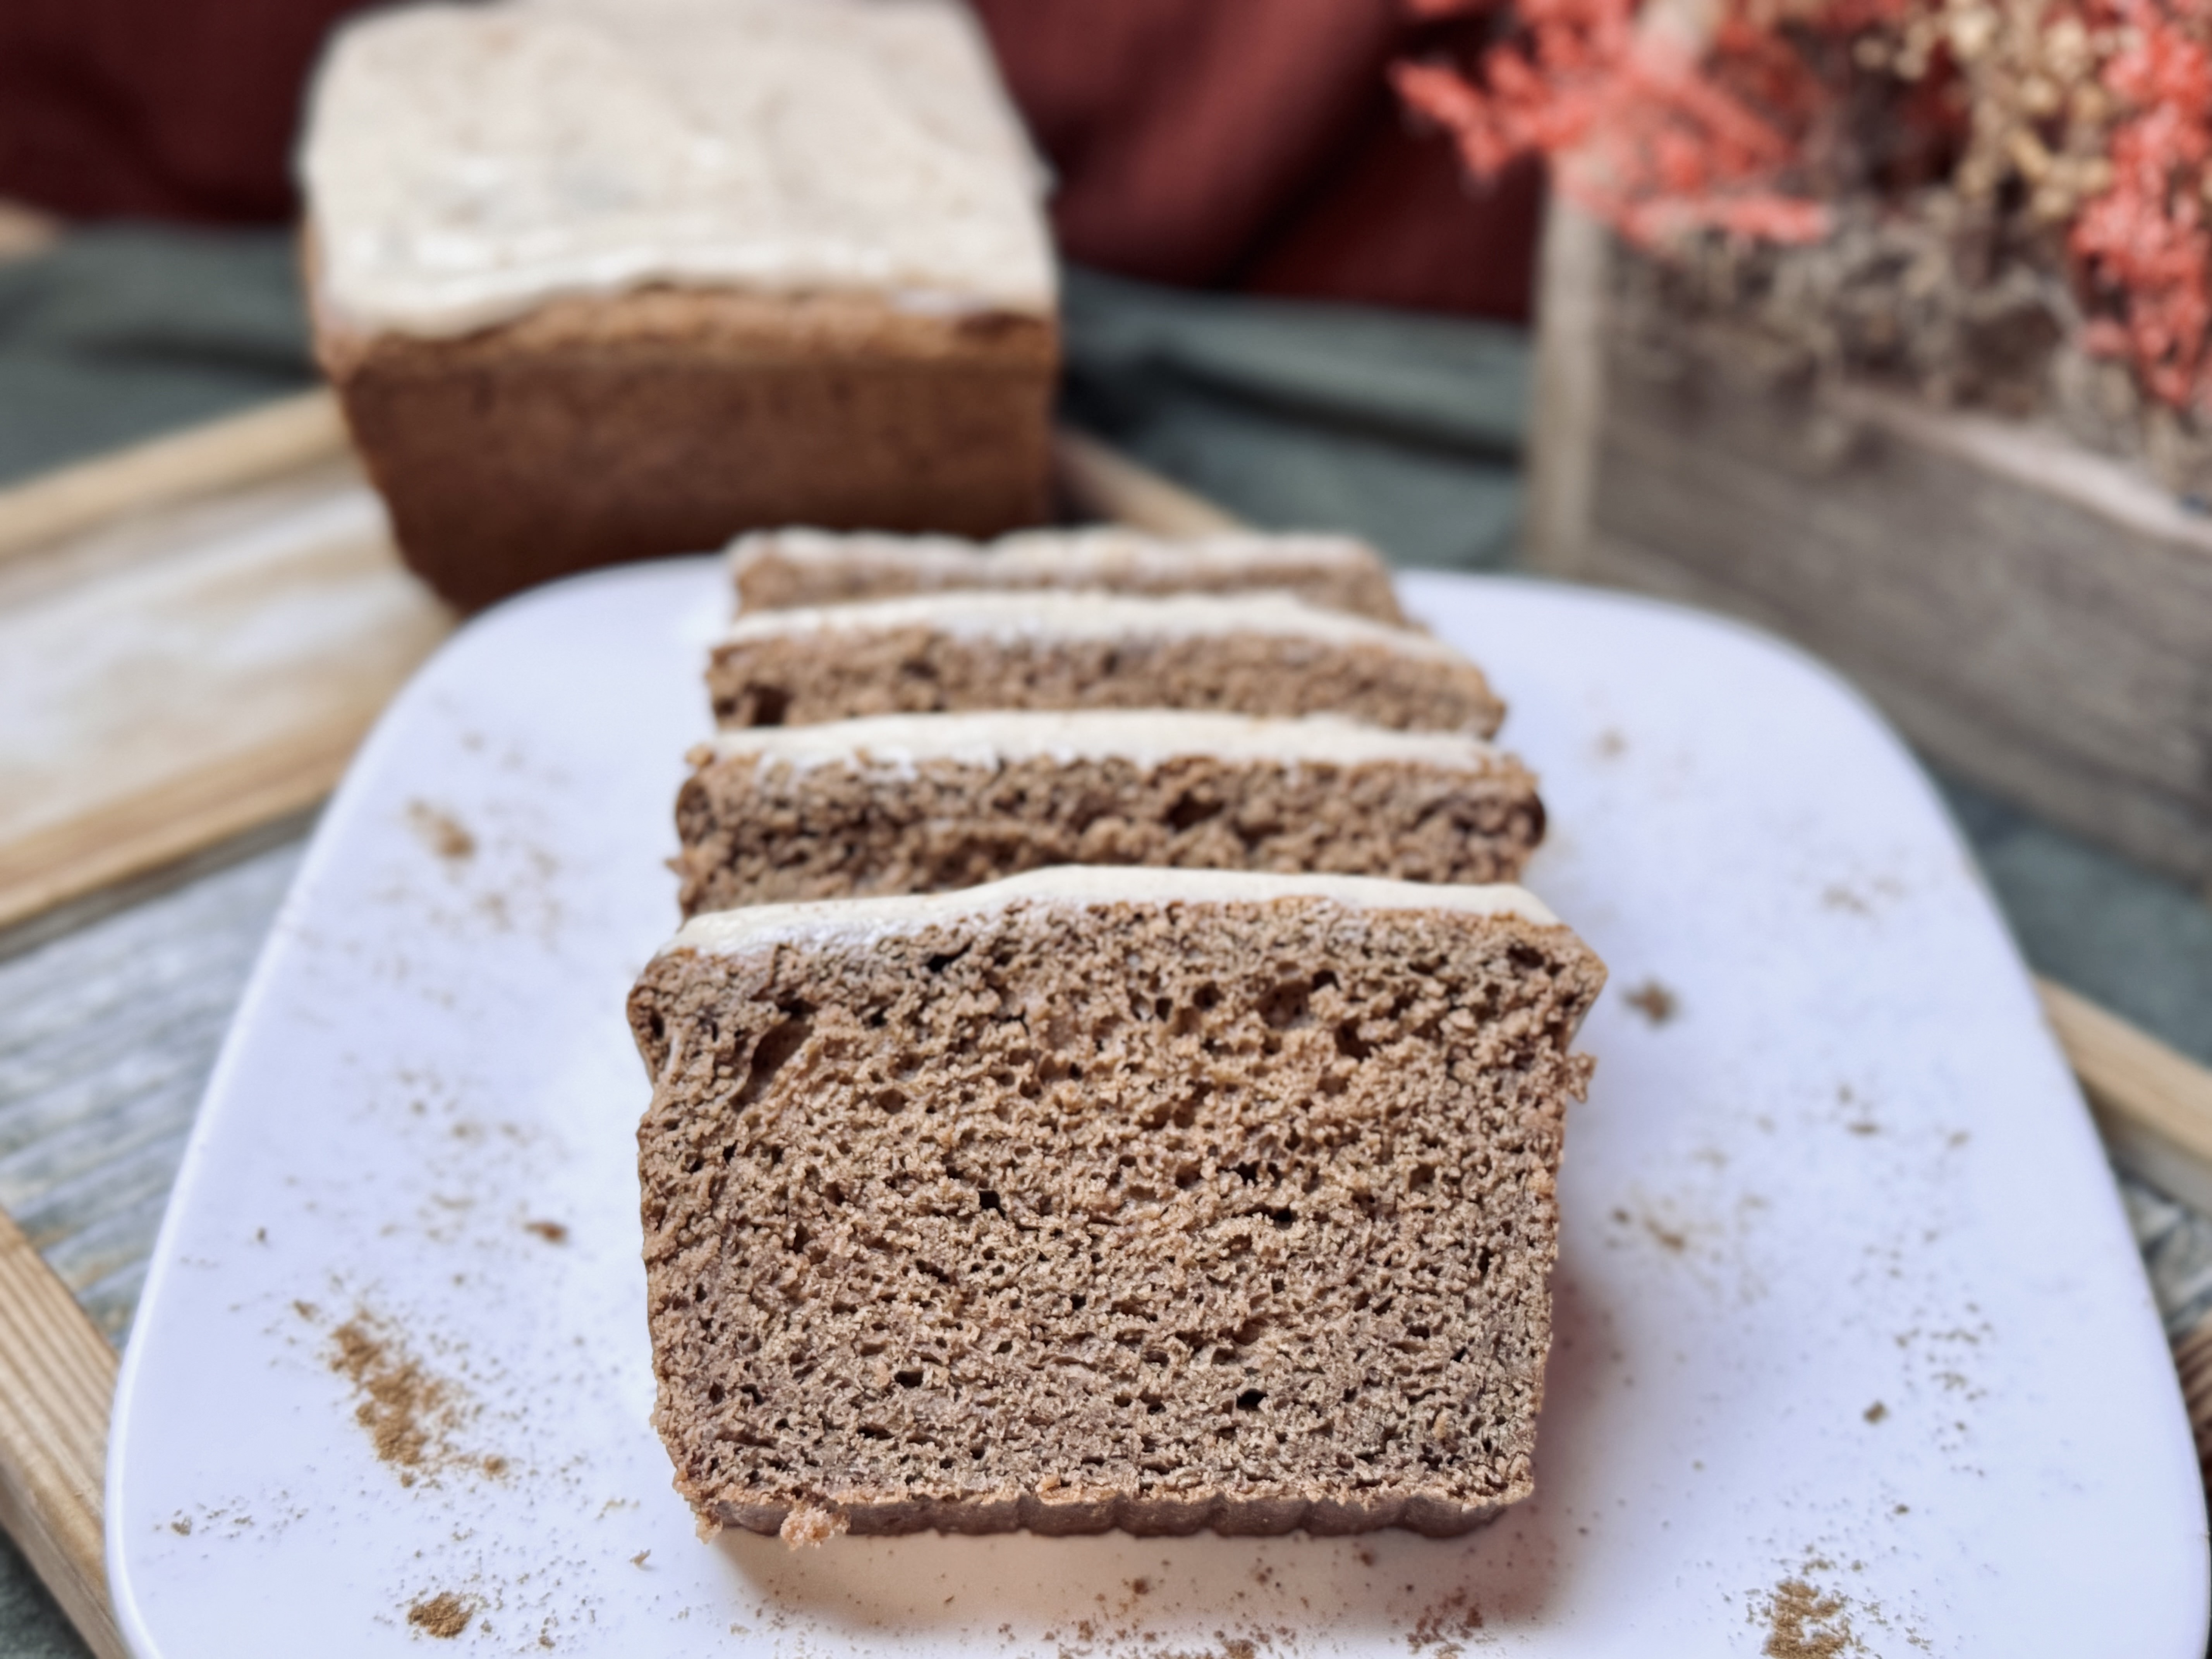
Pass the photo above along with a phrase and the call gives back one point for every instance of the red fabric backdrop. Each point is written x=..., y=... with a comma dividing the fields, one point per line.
x=1206, y=143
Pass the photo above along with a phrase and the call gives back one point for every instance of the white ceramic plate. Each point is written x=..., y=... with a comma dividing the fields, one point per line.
x=1850, y=1331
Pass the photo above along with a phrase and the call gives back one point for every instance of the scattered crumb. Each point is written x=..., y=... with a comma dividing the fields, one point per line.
x=1804, y=1623
x=1654, y=1001
x=308, y=1310
x=182, y=1525
x=1876, y=1412
x=1140, y=1587
x=1668, y=1239
x=441, y=832
x=1839, y=897
x=805, y=1528
x=444, y=1615
x=1456, y=1616
x=641, y=1557
x=553, y=1233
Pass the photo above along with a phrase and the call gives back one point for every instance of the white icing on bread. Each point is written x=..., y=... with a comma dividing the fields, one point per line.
x=730, y=932
x=1146, y=738
x=464, y=164
x=1061, y=614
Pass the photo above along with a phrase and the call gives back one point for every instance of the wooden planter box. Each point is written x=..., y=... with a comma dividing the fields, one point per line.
x=2037, y=617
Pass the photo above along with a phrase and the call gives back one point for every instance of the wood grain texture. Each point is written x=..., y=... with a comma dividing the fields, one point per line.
x=2192, y=1358
x=2153, y=1104
x=1568, y=402
x=56, y=1379
x=174, y=681
x=108, y=1035
x=2036, y=617
x=201, y=460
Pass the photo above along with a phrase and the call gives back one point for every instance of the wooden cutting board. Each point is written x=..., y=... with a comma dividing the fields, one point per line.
x=194, y=636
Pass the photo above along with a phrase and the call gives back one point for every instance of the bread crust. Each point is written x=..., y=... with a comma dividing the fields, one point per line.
x=666, y=420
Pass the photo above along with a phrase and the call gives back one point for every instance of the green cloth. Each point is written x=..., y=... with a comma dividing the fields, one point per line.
x=123, y=333
x=1406, y=429
x=2138, y=943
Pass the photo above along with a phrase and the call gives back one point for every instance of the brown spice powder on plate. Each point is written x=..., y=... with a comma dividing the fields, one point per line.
x=444, y=1615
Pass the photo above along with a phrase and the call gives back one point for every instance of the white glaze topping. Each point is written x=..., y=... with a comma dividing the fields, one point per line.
x=1063, y=558
x=861, y=921
x=1145, y=738
x=464, y=164
x=1074, y=614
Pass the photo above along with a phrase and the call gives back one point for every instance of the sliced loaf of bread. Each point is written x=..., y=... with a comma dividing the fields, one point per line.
x=1249, y=654
x=921, y=803
x=1161, y=1200
x=775, y=570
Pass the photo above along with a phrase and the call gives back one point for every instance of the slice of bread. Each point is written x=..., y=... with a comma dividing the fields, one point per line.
x=1160, y=1200
x=777, y=570
x=1249, y=654
x=921, y=803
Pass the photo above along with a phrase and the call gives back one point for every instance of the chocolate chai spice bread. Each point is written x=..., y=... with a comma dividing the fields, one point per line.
x=1160, y=1200
x=776, y=569
x=921, y=803
x=1246, y=653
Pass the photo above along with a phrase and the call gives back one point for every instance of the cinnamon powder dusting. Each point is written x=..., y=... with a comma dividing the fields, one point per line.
x=1804, y=1623
x=409, y=1415
x=444, y=1615
x=441, y=832
x=1654, y=1001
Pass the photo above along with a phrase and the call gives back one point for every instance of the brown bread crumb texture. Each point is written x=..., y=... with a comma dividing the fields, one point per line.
x=756, y=831
x=1162, y=1217
x=664, y=421
x=770, y=578
x=805, y=678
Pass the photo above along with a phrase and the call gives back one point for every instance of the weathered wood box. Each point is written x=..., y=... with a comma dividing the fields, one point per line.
x=2036, y=617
